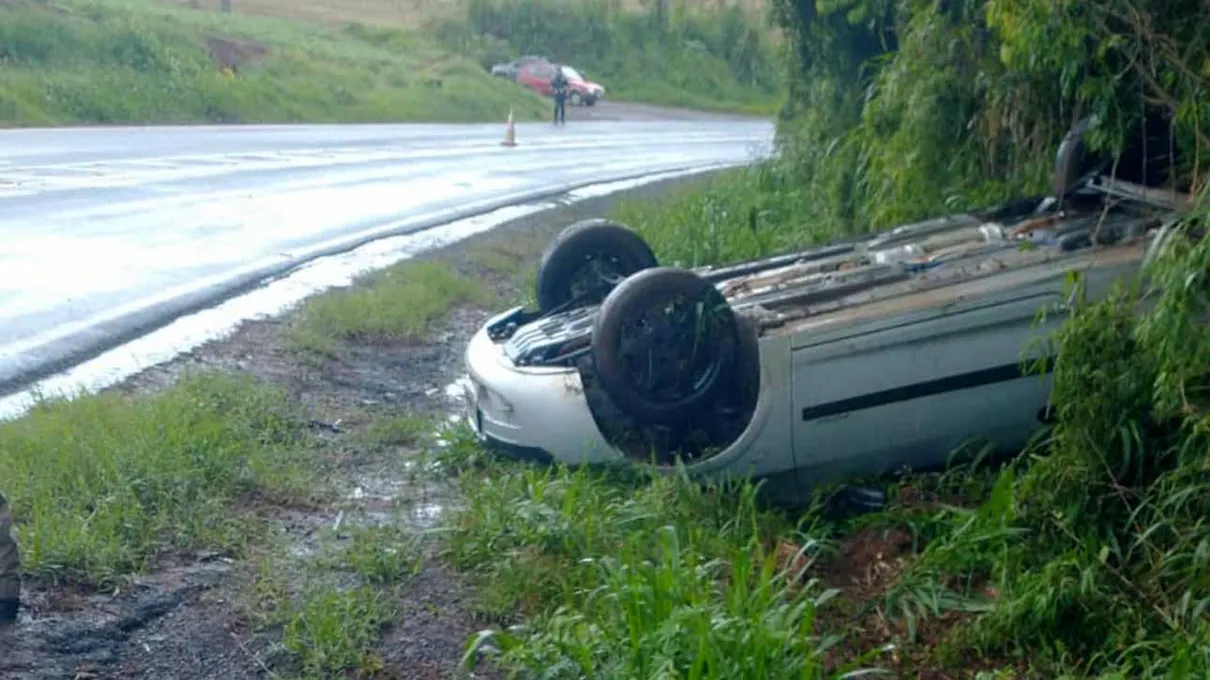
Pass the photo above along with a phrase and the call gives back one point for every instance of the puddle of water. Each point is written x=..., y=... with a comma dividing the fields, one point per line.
x=281, y=295
x=427, y=515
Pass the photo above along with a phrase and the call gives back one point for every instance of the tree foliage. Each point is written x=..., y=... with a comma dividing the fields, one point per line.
x=899, y=108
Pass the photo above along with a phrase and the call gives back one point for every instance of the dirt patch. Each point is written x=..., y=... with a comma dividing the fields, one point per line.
x=864, y=569
x=232, y=54
x=189, y=619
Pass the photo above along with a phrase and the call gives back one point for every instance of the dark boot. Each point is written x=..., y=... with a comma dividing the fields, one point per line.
x=10, y=568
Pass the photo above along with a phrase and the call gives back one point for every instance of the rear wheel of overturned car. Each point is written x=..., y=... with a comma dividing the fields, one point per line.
x=1073, y=162
x=586, y=260
x=663, y=344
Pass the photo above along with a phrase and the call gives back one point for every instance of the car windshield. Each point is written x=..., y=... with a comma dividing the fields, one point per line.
x=572, y=74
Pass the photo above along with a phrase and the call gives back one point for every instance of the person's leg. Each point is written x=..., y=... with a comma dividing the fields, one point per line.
x=555, y=102
x=10, y=568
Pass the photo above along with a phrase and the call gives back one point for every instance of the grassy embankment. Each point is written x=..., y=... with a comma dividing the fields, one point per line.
x=691, y=53
x=138, y=61
x=118, y=61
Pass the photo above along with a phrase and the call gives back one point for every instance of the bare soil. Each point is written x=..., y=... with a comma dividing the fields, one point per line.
x=189, y=618
x=232, y=54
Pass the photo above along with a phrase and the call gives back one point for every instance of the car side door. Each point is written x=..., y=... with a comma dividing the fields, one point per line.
x=907, y=391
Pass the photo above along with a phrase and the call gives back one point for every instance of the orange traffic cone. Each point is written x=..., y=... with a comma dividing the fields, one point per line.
x=510, y=131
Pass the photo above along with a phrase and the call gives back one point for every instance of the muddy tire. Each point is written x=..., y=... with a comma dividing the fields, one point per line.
x=590, y=254
x=664, y=344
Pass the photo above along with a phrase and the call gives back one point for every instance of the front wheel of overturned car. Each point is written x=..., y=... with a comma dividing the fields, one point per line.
x=663, y=344
x=586, y=260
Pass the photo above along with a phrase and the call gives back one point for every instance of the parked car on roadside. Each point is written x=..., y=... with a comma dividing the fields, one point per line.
x=509, y=69
x=858, y=357
x=537, y=76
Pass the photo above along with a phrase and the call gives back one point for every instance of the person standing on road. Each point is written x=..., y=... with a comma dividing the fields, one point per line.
x=10, y=569
x=558, y=87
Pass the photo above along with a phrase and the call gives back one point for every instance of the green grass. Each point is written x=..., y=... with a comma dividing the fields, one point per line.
x=408, y=431
x=140, y=61
x=135, y=61
x=727, y=217
x=330, y=609
x=331, y=631
x=326, y=628
x=396, y=304
x=615, y=576
x=104, y=485
x=382, y=555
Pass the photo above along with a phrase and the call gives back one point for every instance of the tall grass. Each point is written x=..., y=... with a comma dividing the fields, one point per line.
x=134, y=61
x=104, y=485
x=1091, y=555
x=618, y=576
x=398, y=303
x=732, y=216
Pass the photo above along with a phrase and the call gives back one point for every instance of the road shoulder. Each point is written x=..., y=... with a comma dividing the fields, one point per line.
x=365, y=401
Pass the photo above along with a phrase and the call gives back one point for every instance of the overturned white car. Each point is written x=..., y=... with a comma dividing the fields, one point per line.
x=856, y=357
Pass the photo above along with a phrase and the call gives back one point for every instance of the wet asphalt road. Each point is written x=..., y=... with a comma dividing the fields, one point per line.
x=106, y=233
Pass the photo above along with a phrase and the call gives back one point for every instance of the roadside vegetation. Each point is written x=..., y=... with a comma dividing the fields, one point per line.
x=398, y=303
x=695, y=55
x=136, y=61
x=143, y=61
x=110, y=484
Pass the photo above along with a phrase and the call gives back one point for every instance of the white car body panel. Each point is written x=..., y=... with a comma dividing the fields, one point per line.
x=541, y=408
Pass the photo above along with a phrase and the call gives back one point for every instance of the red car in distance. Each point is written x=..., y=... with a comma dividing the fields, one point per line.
x=581, y=91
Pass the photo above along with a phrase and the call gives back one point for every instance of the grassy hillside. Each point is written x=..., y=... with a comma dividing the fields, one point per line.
x=111, y=61
x=108, y=61
x=414, y=13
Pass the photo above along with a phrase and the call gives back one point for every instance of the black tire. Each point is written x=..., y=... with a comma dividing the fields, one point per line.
x=591, y=101
x=576, y=99
x=636, y=373
x=1073, y=162
x=579, y=248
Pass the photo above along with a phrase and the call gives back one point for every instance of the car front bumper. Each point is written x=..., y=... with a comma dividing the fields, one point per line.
x=538, y=411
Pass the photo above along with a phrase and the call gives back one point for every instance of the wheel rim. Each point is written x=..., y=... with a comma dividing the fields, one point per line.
x=669, y=349
x=600, y=270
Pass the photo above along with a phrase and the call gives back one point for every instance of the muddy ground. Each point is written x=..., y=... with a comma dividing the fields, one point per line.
x=190, y=618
